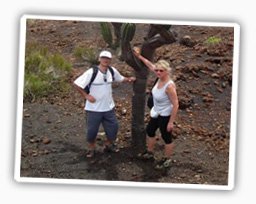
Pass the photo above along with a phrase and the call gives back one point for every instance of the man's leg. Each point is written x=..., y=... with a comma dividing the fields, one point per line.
x=93, y=123
x=110, y=125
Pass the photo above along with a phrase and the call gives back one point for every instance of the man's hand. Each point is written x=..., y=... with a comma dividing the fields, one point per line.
x=131, y=79
x=90, y=98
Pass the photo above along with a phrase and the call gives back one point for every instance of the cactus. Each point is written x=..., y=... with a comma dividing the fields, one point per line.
x=106, y=33
x=127, y=32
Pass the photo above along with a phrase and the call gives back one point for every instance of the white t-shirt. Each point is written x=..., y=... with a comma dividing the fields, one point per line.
x=162, y=104
x=100, y=89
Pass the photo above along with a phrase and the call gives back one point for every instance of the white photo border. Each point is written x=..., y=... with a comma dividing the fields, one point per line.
x=234, y=100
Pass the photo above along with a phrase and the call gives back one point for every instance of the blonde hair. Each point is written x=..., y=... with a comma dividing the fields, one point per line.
x=164, y=65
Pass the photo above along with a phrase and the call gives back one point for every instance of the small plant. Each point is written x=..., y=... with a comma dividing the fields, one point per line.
x=111, y=33
x=213, y=40
x=87, y=54
x=45, y=73
x=106, y=32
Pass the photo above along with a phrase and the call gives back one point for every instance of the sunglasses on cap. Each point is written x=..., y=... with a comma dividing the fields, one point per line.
x=105, y=58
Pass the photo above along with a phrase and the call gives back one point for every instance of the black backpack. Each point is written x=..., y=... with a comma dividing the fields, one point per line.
x=150, y=101
x=94, y=74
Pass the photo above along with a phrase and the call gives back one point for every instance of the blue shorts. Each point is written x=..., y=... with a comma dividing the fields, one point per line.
x=108, y=121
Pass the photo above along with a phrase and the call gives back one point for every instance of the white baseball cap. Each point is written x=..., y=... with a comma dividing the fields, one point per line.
x=106, y=54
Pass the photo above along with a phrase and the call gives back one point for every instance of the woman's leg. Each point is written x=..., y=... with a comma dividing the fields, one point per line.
x=151, y=131
x=151, y=140
x=167, y=136
x=168, y=150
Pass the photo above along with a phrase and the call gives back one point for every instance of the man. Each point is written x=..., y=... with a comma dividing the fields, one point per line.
x=99, y=104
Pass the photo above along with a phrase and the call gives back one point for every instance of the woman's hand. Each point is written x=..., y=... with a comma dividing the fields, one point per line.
x=149, y=64
x=169, y=126
x=136, y=51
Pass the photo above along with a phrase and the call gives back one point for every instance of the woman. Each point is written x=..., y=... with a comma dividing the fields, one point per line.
x=164, y=111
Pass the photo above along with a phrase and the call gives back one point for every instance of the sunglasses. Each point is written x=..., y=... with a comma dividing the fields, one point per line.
x=159, y=70
x=105, y=78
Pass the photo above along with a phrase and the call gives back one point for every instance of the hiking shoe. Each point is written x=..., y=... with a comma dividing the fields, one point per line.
x=146, y=155
x=164, y=163
x=111, y=148
x=90, y=153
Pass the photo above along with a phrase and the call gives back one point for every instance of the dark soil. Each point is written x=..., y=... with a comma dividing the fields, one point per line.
x=53, y=136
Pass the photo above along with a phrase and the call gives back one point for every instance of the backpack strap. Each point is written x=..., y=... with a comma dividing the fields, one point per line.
x=94, y=74
x=112, y=72
x=155, y=82
x=150, y=101
x=150, y=93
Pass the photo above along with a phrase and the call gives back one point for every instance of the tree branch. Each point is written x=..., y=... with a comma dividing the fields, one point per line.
x=166, y=34
x=153, y=30
x=129, y=57
x=158, y=35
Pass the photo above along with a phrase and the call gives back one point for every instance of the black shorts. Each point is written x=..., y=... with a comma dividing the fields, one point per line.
x=160, y=122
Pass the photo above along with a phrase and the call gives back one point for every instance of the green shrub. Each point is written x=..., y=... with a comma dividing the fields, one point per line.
x=86, y=53
x=35, y=86
x=45, y=73
x=213, y=40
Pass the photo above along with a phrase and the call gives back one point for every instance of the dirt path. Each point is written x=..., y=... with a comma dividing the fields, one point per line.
x=54, y=147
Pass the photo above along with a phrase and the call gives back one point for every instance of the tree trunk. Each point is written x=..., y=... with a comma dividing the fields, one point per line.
x=139, y=97
x=151, y=42
x=139, y=101
x=138, y=112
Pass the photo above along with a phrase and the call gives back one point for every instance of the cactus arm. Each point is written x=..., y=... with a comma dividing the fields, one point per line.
x=117, y=32
x=106, y=33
